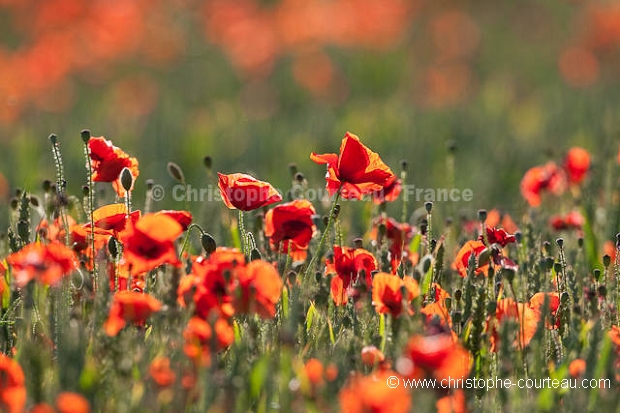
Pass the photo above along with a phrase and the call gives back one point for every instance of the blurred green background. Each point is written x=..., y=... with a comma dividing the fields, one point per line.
x=258, y=85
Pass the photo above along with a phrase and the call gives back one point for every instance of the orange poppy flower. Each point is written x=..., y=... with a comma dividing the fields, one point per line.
x=577, y=164
x=108, y=161
x=42, y=408
x=149, y=243
x=614, y=336
x=69, y=402
x=577, y=368
x=314, y=372
x=524, y=315
x=461, y=262
x=372, y=394
x=290, y=223
x=241, y=191
x=453, y=403
x=12, y=386
x=260, y=288
x=129, y=307
x=161, y=373
x=547, y=177
x=372, y=356
x=199, y=339
x=387, y=293
x=437, y=355
x=45, y=263
x=54, y=231
x=356, y=171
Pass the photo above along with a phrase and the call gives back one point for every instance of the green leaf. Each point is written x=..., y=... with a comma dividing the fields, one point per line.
x=258, y=376
x=310, y=316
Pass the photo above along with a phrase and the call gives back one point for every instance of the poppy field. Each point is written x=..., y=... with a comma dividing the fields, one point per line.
x=108, y=307
x=309, y=206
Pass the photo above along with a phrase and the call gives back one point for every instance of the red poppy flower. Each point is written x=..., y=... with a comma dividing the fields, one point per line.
x=452, y=403
x=315, y=371
x=572, y=220
x=246, y=193
x=129, y=307
x=371, y=394
x=290, y=223
x=69, y=402
x=399, y=235
x=577, y=164
x=54, y=231
x=437, y=355
x=149, y=243
x=356, y=171
x=577, y=368
x=45, y=263
x=547, y=177
x=211, y=285
x=199, y=339
x=108, y=161
x=498, y=236
x=387, y=293
x=113, y=217
x=348, y=264
x=260, y=288
x=372, y=356
x=161, y=373
x=184, y=218
x=389, y=193
x=12, y=386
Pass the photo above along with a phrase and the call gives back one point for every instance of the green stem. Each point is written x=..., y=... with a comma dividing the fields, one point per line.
x=319, y=249
x=189, y=229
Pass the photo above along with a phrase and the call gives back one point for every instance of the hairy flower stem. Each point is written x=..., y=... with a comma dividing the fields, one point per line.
x=185, y=240
x=319, y=248
x=91, y=208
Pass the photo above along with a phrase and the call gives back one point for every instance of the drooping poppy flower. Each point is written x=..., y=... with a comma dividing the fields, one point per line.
x=371, y=394
x=576, y=164
x=399, y=236
x=290, y=225
x=69, y=402
x=108, y=161
x=389, y=193
x=498, y=236
x=44, y=263
x=161, y=373
x=356, y=171
x=259, y=288
x=149, y=243
x=12, y=386
x=129, y=307
x=572, y=220
x=200, y=341
x=241, y=191
x=349, y=264
x=436, y=355
x=547, y=177
x=184, y=218
x=387, y=293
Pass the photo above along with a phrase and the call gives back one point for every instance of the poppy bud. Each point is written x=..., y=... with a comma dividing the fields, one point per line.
x=597, y=274
x=458, y=294
x=208, y=243
x=34, y=201
x=358, y=243
x=53, y=138
x=606, y=260
x=149, y=184
x=126, y=179
x=176, y=172
x=47, y=185
x=113, y=247
x=560, y=242
x=403, y=165
x=429, y=207
x=293, y=169
x=207, y=161
x=255, y=255
x=482, y=215
x=451, y=144
x=518, y=236
x=85, y=190
x=85, y=134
